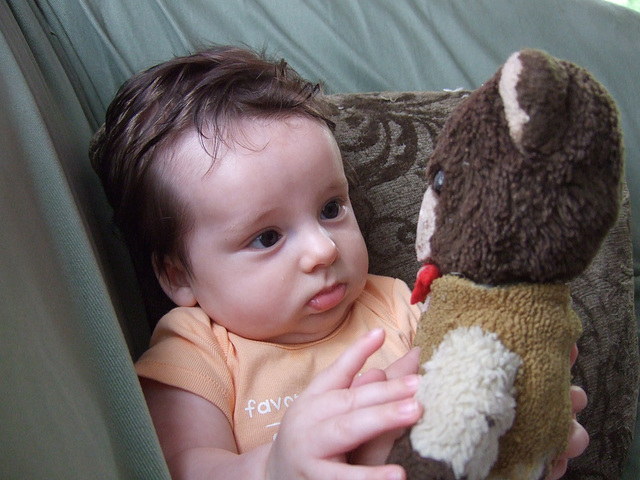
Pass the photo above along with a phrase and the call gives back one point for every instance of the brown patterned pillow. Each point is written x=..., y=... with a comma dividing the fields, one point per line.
x=386, y=139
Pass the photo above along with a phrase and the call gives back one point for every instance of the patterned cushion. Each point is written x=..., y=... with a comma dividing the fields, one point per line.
x=386, y=139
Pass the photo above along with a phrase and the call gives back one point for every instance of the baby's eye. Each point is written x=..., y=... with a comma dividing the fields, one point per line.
x=265, y=240
x=331, y=210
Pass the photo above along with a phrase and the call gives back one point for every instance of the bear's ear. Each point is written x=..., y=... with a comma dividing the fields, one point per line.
x=534, y=90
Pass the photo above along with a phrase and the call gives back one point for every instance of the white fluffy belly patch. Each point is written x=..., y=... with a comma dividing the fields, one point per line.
x=467, y=392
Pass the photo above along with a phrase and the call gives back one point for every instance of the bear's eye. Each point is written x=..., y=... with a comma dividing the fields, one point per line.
x=438, y=181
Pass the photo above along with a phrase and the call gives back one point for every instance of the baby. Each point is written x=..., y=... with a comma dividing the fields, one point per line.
x=284, y=358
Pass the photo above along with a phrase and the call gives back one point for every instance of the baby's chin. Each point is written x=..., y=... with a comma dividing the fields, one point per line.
x=318, y=326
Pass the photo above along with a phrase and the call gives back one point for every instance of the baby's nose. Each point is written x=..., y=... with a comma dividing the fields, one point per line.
x=319, y=249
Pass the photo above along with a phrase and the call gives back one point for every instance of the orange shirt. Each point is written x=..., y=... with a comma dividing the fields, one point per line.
x=254, y=382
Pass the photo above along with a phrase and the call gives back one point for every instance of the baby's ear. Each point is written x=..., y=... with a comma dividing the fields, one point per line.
x=175, y=281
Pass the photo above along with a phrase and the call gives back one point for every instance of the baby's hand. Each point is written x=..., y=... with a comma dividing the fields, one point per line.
x=377, y=450
x=334, y=415
x=578, y=436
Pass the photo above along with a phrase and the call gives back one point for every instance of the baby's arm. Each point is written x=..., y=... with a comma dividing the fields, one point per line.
x=195, y=435
x=325, y=422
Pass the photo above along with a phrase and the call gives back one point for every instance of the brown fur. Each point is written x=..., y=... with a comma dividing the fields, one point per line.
x=416, y=466
x=536, y=212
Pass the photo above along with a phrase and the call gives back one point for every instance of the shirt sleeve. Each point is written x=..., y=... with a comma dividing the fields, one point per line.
x=185, y=353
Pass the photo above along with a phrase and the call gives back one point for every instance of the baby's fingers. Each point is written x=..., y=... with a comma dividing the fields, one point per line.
x=306, y=435
x=405, y=365
x=354, y=472
x=573, y=356
x=578, y=443
x=335, y=404
x=372, y=376
x=348, y=431
x=578, y=399
x=578, y=440
x=340, y=373
x=559, y=468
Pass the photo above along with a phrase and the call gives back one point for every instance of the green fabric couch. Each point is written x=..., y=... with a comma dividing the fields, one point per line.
x=72, y=313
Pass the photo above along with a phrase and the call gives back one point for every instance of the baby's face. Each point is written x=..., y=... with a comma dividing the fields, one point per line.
x=276, y=253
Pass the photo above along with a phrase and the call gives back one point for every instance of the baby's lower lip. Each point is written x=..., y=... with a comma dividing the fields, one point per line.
x=328, y=298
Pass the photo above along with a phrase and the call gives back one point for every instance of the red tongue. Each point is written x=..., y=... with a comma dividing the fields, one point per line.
x=426, y=275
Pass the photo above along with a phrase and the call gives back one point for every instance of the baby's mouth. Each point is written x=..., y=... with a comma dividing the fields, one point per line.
x=328, y=298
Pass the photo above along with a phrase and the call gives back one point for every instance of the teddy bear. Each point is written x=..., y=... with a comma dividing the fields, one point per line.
x=522, y=187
